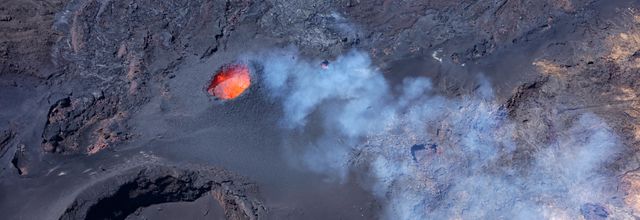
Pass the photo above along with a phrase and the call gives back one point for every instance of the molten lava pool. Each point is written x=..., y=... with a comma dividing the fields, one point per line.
x=230, y=82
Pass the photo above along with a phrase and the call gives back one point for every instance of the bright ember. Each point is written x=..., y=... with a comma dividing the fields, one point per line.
x=230, y=81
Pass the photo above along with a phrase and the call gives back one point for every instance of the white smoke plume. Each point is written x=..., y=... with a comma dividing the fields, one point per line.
x=432, y=157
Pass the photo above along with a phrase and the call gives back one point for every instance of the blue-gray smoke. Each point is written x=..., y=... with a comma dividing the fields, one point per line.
x=468, y=170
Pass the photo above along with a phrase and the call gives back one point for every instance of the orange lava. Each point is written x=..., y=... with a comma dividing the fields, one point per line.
x=230, y=82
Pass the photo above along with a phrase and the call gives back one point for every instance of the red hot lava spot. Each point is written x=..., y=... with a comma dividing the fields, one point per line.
x=230, y=81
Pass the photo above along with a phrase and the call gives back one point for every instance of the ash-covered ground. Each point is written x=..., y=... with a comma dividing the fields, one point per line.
x=493, y=109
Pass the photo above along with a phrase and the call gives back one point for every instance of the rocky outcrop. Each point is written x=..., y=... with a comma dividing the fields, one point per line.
x=83, y=125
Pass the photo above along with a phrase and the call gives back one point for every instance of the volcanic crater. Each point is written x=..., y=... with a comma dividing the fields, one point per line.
x=336, y=109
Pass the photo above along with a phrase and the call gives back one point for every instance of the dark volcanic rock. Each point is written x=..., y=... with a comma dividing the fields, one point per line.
x=594, y=212
x=599, y=79
x=26, y=36
x=467, y=30
x=70, y=119
x=20, y=161
x=115, y=62
x=126, y=49
x=5, y=137
x=121, y=195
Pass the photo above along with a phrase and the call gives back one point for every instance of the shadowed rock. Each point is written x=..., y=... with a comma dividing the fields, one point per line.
x=119, y=196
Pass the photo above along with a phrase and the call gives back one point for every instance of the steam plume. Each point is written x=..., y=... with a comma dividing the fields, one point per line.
x=467, y=170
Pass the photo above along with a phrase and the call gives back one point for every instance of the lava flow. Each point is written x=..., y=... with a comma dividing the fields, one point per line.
x=230, y=82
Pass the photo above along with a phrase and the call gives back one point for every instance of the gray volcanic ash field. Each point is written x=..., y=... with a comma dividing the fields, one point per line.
x=338, y=109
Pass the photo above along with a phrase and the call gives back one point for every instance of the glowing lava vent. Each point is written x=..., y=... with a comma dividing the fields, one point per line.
x=230, y=81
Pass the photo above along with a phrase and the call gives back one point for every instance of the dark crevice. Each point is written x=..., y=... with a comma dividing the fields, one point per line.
x=144, y=193
x=5, y=138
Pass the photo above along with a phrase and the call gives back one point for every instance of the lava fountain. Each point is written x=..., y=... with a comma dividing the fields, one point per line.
x=230, y=81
